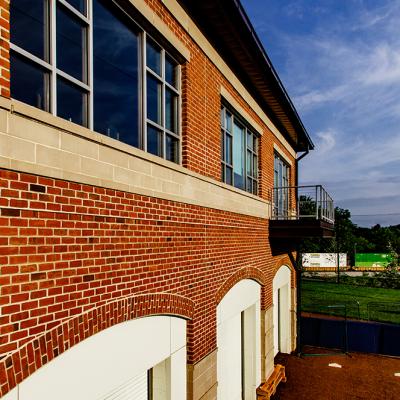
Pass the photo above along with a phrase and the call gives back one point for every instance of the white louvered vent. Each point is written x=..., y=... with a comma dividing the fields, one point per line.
x=133, y=389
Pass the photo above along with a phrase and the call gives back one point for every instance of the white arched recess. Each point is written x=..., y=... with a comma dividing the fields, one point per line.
x=113, y=365
x=238, y=342
x=282, y=306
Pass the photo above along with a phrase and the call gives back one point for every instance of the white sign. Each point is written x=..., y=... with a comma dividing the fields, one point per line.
x=323, y=260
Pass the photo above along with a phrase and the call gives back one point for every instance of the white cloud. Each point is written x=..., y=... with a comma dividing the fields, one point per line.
x=326, y=141
x=382, y=65
x=378, y=16
x=343, y=74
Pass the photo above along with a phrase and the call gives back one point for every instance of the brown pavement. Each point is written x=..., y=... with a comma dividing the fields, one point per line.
x=361, y=376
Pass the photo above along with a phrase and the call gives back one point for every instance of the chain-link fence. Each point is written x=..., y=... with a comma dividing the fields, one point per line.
x=384, y=312
x=343, y=309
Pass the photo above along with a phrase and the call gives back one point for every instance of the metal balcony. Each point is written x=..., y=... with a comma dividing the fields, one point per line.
x=301, y=211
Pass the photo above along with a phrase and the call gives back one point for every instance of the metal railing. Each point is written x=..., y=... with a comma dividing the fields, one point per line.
x=300, y=202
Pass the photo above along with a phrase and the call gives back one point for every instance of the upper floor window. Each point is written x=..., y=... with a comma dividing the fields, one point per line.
x=239, y=145
x=281, y=172
x=88, y=62
x=281, y=186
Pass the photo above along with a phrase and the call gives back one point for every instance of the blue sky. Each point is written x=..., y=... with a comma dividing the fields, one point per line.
x=340, y=63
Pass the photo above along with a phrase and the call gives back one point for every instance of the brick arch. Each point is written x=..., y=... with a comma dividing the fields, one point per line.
x=17, y=366
x=244, y=273
x=286, y=261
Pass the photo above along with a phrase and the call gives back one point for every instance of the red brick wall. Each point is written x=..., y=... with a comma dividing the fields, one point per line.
x=66, y=248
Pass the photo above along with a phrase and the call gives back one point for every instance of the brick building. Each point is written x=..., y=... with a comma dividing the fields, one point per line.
x=146, y=244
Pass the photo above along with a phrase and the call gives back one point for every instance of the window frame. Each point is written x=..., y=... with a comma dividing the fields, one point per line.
x=164, y=86
x=254, y=151
x=51, y=65
x=86, y=85
x=281, y=192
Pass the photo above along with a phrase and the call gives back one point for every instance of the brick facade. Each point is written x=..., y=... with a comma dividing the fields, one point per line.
x=77, y=258
x=68, y=248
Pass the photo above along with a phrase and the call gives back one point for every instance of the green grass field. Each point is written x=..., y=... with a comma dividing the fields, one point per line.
x=334, y=299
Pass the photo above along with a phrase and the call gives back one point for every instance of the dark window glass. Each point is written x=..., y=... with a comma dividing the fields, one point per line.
x=153, y=99
x=71, y=44
x=80, y=5
x=249, y=186
x=153, y=57
x=255, y=166
x=255, y=187
x=249, y=163
x=115, y=76
x=71, y=102
x=172, y=148
x=170, y=72
x=171, y=111
x=228, y=175
x=228, y=149
x=154, y=141
x=250, y=140
x=222, y=146
x=228, y=121
x=29, y=26
x=29, y=82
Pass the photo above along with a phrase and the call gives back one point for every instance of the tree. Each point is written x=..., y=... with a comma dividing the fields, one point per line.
x=349, y=237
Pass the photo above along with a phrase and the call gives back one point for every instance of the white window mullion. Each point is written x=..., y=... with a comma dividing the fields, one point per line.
x=73, y=80
x=164, y=137
x=53, y=56
x=144, y=93
x=77, y=13
x=90, y=116
x=179, y=112
x=26, y=54
x=245, y=162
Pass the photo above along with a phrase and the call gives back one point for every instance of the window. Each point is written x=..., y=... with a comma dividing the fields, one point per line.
x=162, y=100
x=281, y=186
x=90, y=63
x=52, y=78
x=239, y=155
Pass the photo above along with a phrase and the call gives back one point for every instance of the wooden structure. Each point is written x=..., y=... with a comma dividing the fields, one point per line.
x=268, y=388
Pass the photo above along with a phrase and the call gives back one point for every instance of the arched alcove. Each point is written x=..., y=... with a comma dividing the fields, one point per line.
x=238, y=341
x=282, y=306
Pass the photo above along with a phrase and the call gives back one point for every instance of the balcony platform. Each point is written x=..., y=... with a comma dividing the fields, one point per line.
x=298, y=213
x=298, y=229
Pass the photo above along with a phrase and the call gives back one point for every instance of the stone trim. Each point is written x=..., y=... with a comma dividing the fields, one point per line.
x=240, y=110
x=36, y=142
x=161, y=26
x=202, y=377
x=283, y=155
